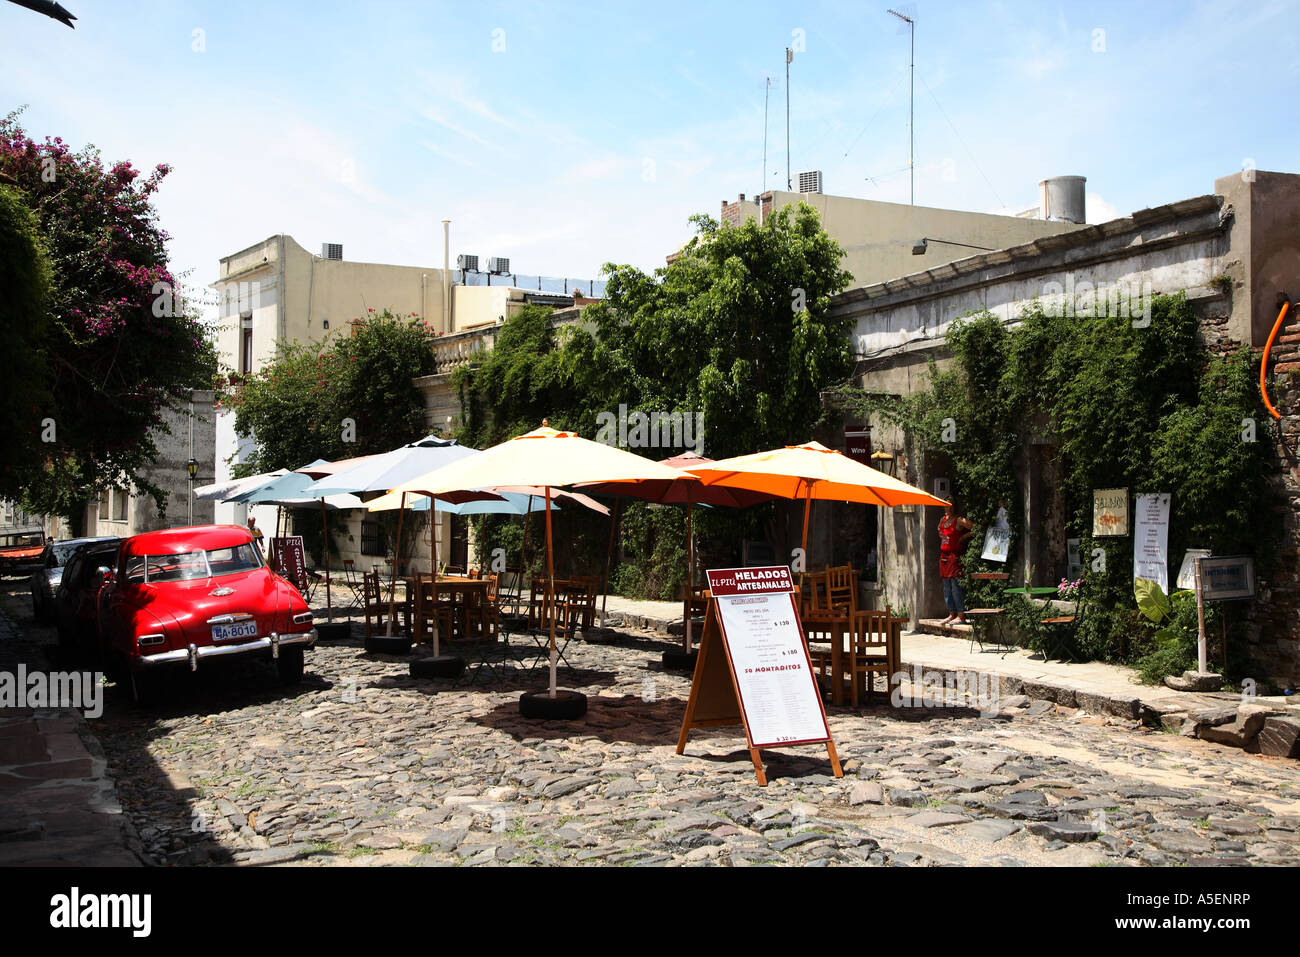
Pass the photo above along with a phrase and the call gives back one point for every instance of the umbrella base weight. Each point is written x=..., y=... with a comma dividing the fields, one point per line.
x=675, y=659
x=333, y=631
x=440, y=666
x=565, y=706
x=388, y=644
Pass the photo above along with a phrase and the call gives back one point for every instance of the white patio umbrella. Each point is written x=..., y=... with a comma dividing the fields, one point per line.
x=545, y=458
x=226, y=491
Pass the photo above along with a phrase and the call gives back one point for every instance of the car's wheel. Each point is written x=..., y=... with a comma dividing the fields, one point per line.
x=442, y=666
x=289, y=665
x=565, y=706
x=389, y=644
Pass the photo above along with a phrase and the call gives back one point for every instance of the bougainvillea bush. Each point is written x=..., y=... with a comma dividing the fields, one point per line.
x=123, y=347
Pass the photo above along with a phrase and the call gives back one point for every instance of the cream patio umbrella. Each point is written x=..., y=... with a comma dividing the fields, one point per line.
x=812, y=471
x=547, y=458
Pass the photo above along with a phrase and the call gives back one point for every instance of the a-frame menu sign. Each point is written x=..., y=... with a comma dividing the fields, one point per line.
x=753, y=667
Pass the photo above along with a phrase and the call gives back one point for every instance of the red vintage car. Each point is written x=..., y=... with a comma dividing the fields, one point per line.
x=181, y=596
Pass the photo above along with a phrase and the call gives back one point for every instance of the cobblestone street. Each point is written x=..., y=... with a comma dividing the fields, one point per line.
x=363, y=765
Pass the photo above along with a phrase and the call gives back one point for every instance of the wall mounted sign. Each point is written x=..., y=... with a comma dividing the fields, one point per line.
x=753, y=667
x=1109, y=512
x=857, y=445
x=997, y=541
x=1151, y=539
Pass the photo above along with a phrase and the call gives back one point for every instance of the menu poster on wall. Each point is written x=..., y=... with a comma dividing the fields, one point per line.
x=1151, y=539
x=1109, y=512
x=779, y=698
x=997, y=542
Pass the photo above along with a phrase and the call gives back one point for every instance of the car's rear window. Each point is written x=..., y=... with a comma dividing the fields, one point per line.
x=188, y=566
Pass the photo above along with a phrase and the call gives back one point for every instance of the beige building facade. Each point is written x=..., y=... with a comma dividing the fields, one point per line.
x=277, y=291
x=879, y=238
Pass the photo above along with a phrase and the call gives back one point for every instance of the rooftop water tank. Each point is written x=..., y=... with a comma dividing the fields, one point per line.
x=1063, y=199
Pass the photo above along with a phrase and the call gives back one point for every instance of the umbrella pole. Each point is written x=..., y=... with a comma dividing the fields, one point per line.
x=807, y=507
x=325, y=547
x=397, y=550
x=690, y=577
x=550, y=586
x=609, y=554
x=433, y=549
x=523, y=556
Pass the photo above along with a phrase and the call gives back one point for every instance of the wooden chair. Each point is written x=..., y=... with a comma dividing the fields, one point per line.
x=812, y=592
x=582, y=593
x=427, y=609
x=870, y=653
x=490, y=612
x=842, y=589
x=373, y=605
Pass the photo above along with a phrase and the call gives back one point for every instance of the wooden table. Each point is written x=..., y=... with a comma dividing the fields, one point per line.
x=474, y=591
x=838, y=626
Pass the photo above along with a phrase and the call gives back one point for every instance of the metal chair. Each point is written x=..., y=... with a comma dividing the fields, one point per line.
x=354, y=584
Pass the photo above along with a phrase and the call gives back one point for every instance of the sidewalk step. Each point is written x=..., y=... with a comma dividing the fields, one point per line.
x=935, y=626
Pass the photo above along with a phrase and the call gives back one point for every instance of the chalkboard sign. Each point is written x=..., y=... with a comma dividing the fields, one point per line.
x=290, y=559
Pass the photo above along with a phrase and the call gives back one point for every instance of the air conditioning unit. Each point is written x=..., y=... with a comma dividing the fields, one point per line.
x=467, y=263
x=499, y=265
x=331, y=250
x=811, y=181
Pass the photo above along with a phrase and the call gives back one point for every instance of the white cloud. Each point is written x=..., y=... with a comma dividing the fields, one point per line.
x=1098, y=210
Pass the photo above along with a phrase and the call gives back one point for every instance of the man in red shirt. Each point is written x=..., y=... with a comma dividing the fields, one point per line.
x=953, y=533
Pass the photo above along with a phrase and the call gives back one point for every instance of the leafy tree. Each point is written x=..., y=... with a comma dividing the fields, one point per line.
x=337, y=397
x=736, y=329
x=124, y=347
x=24, y=318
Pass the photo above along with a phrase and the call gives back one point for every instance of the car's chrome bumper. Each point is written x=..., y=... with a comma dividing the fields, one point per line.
x=193, y=653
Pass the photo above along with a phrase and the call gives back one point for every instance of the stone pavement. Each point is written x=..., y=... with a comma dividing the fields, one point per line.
x=362, y=764
x=57, y=804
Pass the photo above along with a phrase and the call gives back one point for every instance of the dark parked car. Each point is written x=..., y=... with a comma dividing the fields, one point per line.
x=184, y=596
x=76, y=598
x=45, y=581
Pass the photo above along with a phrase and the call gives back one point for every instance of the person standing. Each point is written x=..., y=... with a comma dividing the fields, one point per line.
x=954, y=531
x=256, y=533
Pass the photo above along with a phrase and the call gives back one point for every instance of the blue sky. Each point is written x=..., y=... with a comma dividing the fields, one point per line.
x=565, y=135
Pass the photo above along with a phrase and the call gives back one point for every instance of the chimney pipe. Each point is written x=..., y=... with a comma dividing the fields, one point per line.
x=446, y=276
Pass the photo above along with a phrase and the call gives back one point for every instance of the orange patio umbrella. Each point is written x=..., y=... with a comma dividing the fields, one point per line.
x=812, y=471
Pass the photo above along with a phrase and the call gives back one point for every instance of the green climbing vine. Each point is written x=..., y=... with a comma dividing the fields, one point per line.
x=1123, y=405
